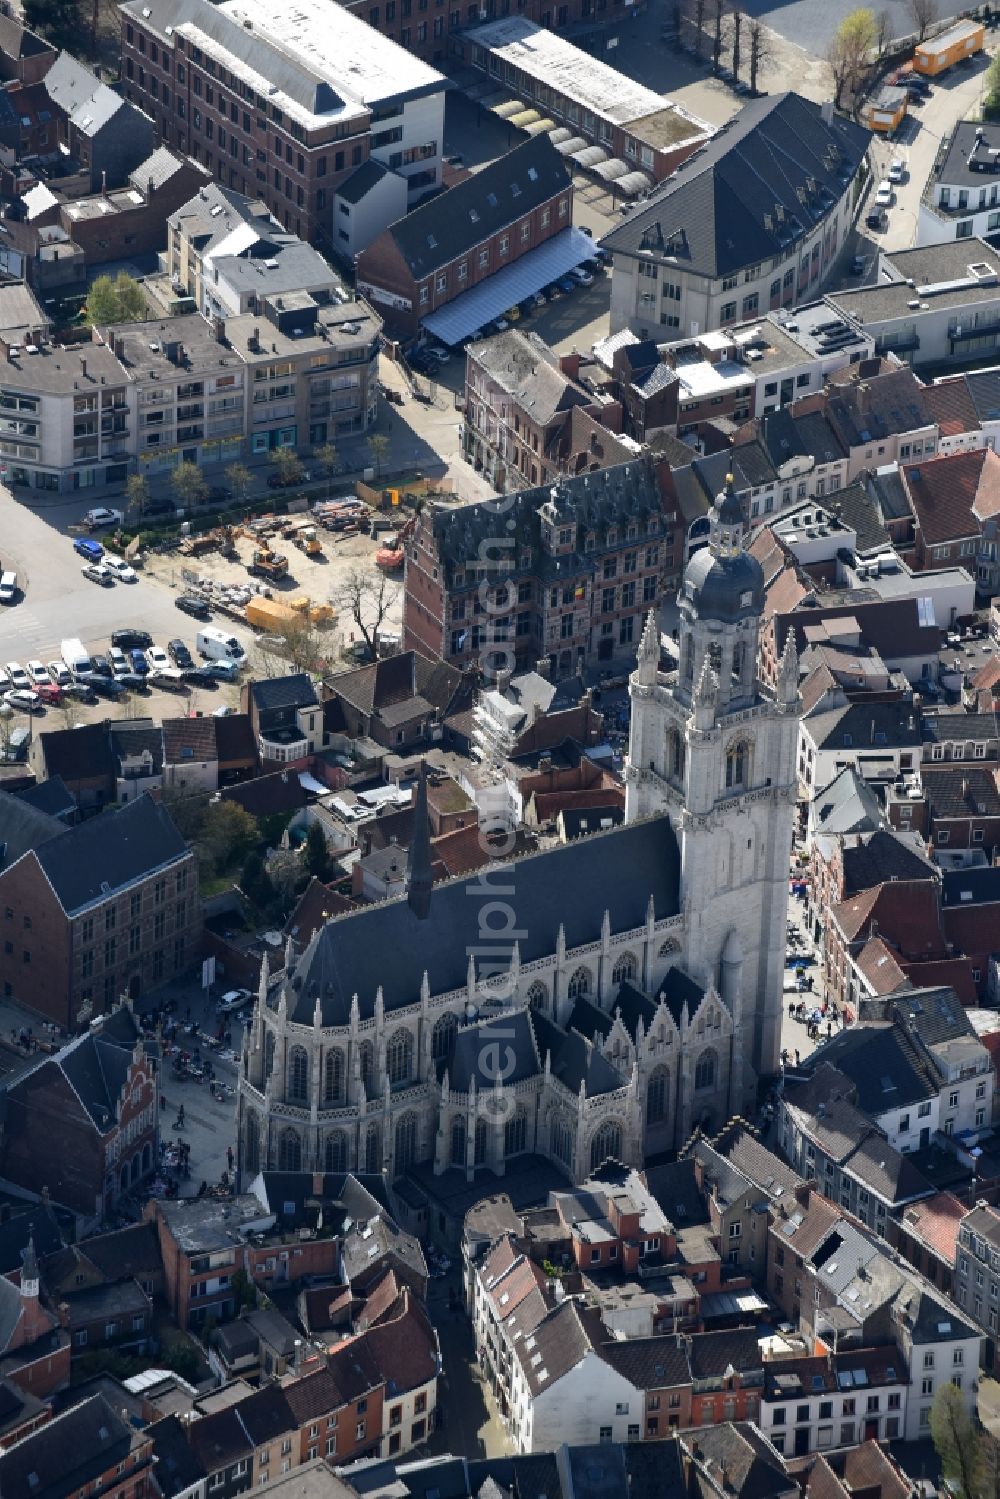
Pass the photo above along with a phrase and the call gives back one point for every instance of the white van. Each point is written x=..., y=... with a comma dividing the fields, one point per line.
x=76, y=659
x=8, y=587
x=218, y=645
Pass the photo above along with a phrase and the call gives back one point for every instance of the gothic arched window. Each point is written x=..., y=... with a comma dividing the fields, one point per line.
x=561, y=1137
x=251, y=1145
x=482, y=1138
x=606, y=1144
x=333, y=1076
x=537, y=995
x=373, y=1150
x=515, y=1134
x=398, y=1056
x=441, y=1036
x=335, y=1152
x=657, y=1096
x=289, y=1150
x=675, y=755
x=406, y=1144
x=458, y=1141
x=624, y=969
x=706, y=1070
x=366, y=1058
x=298, y=1075
x=579, y=985
x=737, y=764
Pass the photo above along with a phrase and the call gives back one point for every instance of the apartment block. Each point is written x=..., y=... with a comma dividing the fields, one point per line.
x=284, y=100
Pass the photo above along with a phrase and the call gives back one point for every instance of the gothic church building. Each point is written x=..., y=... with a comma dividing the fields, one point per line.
x=600, y=998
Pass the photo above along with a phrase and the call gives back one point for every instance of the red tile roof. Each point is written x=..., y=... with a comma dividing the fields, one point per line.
x=951, y=406
x=954, y=972
x=952, y=496
x=935, y=1223
x=975, y=930
x=904, y=913
x=877, y=963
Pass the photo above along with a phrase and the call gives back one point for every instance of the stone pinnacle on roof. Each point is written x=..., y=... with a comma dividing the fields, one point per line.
x=29, y=1266
x=420, y=878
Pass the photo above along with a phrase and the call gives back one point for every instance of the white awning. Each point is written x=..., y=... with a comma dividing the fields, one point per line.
x=612, y=170
x=513, y=284
x=633, y=183
x=590, y=156
x=540, y=127
x=508, y=108
x=560, y=134
x=575, y=143
x=309, y=783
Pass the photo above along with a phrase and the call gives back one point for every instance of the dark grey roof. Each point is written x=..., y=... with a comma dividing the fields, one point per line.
x=449, y=226
x=677, y=1193
x=68, y=1454
x=110, y=852
x=858, y=509
x=131, y=737
x=360, y=183
x=945, y=728
x=34, y=1223
x=722, y=587
x=476, y=1048
x=572, y=884
x=342, y=1194
x=177, y=1465
x=712, y=1353
x=884, y=856
x=53, y=797
x=864, y=725
x=156, y=170
x=886, y=1172
x=97, y=1065
x=572, y=1059
x=89, y=103
x=764, y=180
x=970, y=887
x=984, y=388
x=935, y=1015
x=883, y=1065
x=968, y=159
x=23, y=827
x=846, y=805
x=294, y=691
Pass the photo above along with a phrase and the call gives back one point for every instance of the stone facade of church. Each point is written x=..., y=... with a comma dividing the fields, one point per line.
x=597, y=999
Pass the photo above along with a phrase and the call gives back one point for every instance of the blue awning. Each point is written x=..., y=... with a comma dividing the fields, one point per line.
x=491, y=299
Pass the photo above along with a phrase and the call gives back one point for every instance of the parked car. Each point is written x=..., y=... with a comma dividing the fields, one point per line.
x=567, y=285
x=17, y=674
x=583, y=277
x=102, y=516
x=92, y=550
x=138, y=662
x=128, y=640
x=106, y=686
x=121, y=569
x=187, y=603
x=24, y=698
x=82, y=691
x=49, y=695
x=8, y=587
x=897, y=169
x=179, y=653
x=98, y=574
x=883, y=194
x=4, y=679
x=857, y=265
x=38, y=674
x=101, y=666
x=59, y=672
x=226, y=671
x=157, y=658
x=875, y=219
x=119, y=665
x=198, y=676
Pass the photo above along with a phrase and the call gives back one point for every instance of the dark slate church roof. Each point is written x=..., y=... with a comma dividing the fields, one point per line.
x=387, y=945
x=574, y=1060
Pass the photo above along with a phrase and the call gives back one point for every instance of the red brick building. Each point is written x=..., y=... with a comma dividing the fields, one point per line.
x=272, y=105
x=90, y=1449
x=99, y=1096
x=569, y=573
x=94, y=912
x=458, y=240
x=956, y=508
x=426, y=33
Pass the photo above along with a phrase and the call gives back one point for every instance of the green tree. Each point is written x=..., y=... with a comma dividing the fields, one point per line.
x=188, y=484
x=329, y=460
x=957, y=1442
x=240, y=478
x=137, y=490
x=227, y=835
x=288, y=466
x=378, y=447
x=991, y=86
x=317, y=855
x=183, y=1358
x=848, y=54
x=255, y=882
x=118, y=301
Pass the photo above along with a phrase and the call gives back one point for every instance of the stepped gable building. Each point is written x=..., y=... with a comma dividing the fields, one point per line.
x=597, y=999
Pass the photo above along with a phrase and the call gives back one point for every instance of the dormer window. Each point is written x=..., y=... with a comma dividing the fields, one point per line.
x=612, y=536
x=590, y=543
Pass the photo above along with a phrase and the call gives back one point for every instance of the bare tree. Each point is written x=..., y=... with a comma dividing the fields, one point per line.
x=298, y=644
x=718, y=28
x=761, y=50
x=369, y=597
x=883, y=36
x=737, y=34
x=923, y=14
x=699, y=28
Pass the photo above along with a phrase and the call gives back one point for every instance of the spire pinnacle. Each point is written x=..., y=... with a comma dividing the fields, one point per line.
x=419, y=875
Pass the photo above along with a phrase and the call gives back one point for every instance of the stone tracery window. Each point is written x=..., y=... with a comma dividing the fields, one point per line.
x=579, y=984
x=737, y=764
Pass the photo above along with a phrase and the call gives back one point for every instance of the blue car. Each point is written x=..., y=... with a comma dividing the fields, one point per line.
x=139, y=663
x=92, y=550
x=567, y=284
